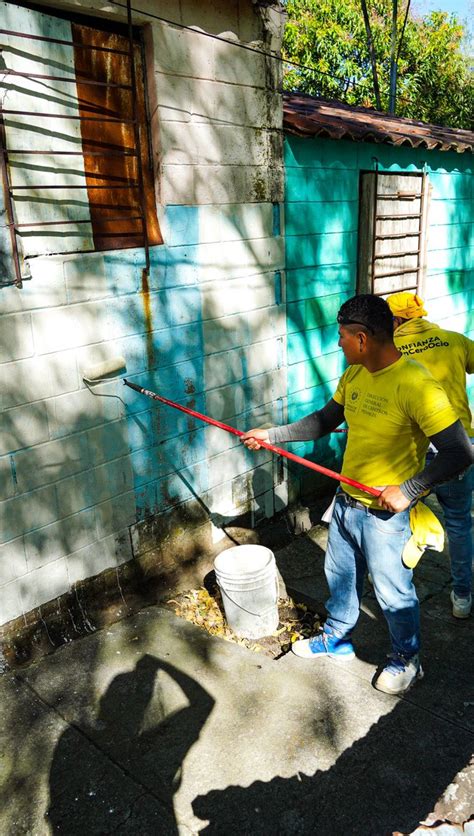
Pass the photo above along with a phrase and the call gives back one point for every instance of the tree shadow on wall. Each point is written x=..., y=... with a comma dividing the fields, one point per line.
x=116, y=777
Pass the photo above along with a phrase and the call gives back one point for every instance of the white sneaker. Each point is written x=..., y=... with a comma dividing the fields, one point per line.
x=399, y=674
x=461, y=606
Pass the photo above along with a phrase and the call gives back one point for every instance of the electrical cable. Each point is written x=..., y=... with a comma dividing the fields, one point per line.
x=348, y=81
x=403, y=30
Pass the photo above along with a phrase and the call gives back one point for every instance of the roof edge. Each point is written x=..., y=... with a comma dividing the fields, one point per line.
x=305, y=116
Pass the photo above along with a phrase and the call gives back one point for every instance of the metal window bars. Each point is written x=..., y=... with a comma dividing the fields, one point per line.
x=134, y=185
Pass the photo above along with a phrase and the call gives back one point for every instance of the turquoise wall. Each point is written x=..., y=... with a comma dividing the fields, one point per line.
x=321, y=227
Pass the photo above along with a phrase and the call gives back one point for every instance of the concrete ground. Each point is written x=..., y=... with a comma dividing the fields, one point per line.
x=151, y=726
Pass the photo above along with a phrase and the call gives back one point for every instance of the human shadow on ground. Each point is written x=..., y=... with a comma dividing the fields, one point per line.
x=117, y=777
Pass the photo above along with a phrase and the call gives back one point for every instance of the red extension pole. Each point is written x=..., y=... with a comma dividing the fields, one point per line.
x=312, y=466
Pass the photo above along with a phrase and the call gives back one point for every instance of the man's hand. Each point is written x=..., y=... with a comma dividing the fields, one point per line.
x=392, y=499
x=252, y=437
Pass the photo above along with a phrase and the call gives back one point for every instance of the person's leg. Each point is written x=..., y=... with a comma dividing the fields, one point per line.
x=455, y=498
x=385, y=535
x=344, y=567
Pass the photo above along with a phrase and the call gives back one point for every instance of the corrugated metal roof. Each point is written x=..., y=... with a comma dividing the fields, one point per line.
x=305, y=115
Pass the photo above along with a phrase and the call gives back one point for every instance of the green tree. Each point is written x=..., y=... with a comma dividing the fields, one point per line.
x=435, y=79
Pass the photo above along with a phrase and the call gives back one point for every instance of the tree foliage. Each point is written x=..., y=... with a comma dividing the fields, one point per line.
x=435, y=79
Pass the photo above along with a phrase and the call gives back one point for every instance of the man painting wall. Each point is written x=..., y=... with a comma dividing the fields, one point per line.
x=393, y=408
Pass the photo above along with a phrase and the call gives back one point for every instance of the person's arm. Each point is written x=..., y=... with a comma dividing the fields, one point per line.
x=311, y=427
x=454, y=455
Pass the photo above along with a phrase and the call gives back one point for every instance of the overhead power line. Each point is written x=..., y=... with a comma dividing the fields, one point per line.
x=276, y=57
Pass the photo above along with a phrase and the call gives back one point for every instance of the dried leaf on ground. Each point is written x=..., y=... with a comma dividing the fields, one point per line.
x=206, y=610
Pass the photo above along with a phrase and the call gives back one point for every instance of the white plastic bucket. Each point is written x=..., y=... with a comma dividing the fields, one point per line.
x=247, y=578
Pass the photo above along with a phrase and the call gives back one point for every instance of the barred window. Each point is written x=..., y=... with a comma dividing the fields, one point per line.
x=77, y=164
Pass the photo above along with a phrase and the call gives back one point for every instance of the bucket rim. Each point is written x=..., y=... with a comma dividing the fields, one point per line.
x=227, y=554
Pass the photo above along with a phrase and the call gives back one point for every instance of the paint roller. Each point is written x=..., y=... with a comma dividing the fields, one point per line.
x=105, y=369
x=115, y=365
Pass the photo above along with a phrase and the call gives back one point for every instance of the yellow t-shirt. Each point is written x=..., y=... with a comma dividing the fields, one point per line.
x=389, y=413
x=446, y=354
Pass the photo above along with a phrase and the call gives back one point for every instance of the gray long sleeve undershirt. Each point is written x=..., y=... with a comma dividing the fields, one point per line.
x=454, y=450
x=310, y=427
x=454, y=455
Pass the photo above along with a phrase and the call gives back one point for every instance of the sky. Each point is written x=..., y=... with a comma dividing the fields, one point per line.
x=463, y=9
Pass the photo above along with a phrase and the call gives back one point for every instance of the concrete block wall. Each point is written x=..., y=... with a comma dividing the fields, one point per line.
x=84, y=470
x=321, y=227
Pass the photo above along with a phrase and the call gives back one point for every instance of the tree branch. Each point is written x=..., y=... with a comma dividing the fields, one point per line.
x=370, y=45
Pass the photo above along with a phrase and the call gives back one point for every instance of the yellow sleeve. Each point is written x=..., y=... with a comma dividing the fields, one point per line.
x=340, y=393
x=469, y=344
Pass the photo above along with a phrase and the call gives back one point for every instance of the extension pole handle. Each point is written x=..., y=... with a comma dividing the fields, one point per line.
x=278, y=450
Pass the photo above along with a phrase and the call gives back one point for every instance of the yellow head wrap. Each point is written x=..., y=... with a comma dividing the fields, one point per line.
x=406, y=305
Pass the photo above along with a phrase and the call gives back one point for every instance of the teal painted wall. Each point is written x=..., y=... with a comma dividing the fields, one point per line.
x=321, y=228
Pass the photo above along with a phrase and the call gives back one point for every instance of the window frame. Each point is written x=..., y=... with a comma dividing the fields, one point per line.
x=369, y=279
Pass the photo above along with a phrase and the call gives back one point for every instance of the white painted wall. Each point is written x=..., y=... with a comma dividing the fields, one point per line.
x=79, y=471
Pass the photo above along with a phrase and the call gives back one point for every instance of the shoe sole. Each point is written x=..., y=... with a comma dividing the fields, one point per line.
x=346, y=658
x=463, y=615
x=415, y=679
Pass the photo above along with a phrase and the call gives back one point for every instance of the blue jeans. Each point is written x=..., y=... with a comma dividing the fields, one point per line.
x=455, y=498
x=361, y=539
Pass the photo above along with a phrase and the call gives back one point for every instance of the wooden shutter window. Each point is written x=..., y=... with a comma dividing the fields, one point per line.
x=392, y=231
x=115, y=169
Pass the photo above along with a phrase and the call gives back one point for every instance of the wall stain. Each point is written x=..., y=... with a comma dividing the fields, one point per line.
x=150, y=351
x=191, y=425
x=260, y=188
